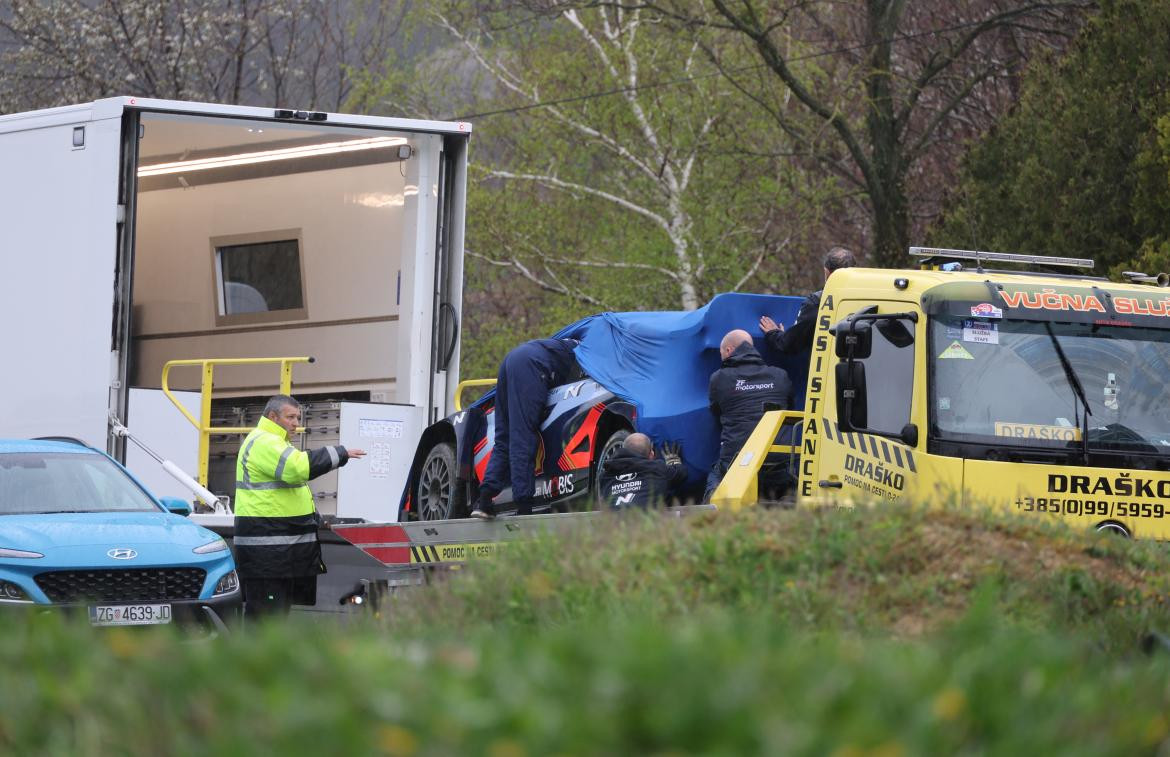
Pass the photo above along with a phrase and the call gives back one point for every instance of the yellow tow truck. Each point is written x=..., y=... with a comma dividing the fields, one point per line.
x=1044, y=394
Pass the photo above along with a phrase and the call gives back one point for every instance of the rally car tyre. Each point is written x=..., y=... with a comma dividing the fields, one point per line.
x=439, y=494
x=611, y=446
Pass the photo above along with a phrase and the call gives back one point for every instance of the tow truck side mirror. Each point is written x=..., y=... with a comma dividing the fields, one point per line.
x=854, y=339
x=852, y=412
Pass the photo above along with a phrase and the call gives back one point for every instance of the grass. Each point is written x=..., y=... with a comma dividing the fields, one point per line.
x=876, y=632
x=891, y=571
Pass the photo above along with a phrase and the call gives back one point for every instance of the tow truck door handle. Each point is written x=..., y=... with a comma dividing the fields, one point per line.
x=830, y=484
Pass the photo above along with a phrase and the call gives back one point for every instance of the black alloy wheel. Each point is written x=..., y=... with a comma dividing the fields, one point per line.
x=608, y=450
x=438, y=495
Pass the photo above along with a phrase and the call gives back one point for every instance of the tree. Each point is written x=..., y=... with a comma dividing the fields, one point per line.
x=275, y=52
x=640, y=197
x=1082, y=167
x=889, y=86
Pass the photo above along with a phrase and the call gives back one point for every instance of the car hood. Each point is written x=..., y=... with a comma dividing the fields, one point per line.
x=151, y=534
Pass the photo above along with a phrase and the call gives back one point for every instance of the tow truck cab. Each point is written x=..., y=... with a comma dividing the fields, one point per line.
x=1039, y=394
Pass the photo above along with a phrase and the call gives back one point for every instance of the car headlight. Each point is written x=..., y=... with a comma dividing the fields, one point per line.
x=218, y=545
x=23, y=553
x=10, y=592
x=228, y=584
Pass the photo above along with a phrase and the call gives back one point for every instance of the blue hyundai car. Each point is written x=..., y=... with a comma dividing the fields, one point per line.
x=79, y=532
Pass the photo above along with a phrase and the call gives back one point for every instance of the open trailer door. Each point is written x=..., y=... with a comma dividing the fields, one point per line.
x=261, y=235
x=62, y=213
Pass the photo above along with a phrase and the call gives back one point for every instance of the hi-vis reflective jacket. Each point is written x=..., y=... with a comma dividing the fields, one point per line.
x=276, y=522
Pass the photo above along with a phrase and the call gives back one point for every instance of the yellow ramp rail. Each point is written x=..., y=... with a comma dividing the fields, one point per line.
x=207, y=368
x=469, y=383
x=740, y=485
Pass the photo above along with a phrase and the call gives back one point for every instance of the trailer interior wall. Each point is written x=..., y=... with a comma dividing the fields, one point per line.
x=354, y=224
x=59, y=221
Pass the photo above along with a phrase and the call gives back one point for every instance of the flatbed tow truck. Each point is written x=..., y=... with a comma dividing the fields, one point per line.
x=1041, y=394
x=147, y=233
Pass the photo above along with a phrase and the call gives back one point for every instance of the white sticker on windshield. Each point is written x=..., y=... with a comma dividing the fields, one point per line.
x=980, y=332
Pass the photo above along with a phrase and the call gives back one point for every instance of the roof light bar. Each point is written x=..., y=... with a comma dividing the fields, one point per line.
x=267, y=156
x=1000, y=257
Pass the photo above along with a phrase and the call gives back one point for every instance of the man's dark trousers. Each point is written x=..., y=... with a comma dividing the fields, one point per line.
x=526, y=375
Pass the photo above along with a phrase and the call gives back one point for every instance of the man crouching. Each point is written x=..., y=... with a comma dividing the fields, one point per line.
x=636, y=477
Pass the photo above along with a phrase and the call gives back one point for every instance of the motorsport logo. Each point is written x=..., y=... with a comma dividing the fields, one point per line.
x=741, y=385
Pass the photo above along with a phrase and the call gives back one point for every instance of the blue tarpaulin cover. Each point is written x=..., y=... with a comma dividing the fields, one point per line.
x=662, y=363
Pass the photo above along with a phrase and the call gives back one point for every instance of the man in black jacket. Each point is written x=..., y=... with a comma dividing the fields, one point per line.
x=738, y=393
x=635, y=477
x=798, y=337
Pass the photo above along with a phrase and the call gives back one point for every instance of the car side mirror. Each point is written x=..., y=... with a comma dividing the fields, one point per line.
x=909, y=435
x=852, y=412
x=176, y=506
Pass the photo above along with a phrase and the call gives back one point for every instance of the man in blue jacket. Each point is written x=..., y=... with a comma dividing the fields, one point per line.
x=738, y=393
x=525, y=378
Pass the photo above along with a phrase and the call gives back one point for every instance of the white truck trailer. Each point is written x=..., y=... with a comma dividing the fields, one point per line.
x=138, y=231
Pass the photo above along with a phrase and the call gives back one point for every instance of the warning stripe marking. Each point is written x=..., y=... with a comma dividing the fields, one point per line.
x=443, y=553
x=875, y=446
x=390, y=545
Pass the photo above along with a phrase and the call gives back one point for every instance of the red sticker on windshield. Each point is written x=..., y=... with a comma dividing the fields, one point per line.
x=986, y=310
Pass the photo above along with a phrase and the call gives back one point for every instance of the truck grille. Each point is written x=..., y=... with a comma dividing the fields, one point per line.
x=150, y=585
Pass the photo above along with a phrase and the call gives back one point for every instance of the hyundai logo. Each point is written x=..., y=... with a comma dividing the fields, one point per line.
x=122, y=553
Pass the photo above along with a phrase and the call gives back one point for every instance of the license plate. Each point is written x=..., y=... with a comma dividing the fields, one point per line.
x=129, y=615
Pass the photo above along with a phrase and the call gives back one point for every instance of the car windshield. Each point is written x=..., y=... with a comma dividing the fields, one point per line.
x=1003, y=382
x=48, y=482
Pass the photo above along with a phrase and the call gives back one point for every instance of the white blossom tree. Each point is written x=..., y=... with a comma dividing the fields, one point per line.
x=301, y=53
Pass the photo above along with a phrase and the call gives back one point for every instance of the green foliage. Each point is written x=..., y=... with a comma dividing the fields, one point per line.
x=1080, y=168
x=704, y=685
x=882, y=570
x=764, y=633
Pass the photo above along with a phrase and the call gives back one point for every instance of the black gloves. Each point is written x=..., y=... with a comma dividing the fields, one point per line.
x=671, y=453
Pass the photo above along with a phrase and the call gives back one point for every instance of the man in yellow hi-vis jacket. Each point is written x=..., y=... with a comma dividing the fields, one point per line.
x=277, y=553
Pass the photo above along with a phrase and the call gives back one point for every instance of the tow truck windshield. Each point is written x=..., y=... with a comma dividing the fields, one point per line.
x=1002, y=383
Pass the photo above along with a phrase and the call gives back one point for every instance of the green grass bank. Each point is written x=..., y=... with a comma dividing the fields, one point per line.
x=876, y=632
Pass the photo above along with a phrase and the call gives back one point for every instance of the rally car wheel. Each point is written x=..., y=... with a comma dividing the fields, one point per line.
x=439, y=495
x=611, y=446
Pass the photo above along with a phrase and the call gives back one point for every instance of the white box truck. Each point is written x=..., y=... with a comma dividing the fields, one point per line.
x=139, y=231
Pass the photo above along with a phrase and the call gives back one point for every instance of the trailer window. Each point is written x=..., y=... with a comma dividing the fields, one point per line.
x=258, y=278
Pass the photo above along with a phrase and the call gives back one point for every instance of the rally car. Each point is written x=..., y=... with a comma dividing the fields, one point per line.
x=643, y=372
